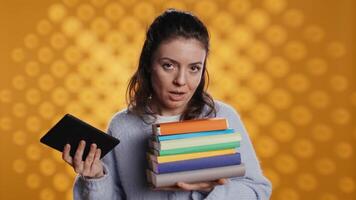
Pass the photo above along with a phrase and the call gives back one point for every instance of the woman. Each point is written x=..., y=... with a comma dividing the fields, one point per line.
x=169, y=85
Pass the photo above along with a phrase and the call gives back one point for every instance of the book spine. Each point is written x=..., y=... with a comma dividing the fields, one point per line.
x=188, y=156
x=199, y=141
x=190, y=126
x=212, y=147
x=193, y=135
x=195, y=164
x=211, y=174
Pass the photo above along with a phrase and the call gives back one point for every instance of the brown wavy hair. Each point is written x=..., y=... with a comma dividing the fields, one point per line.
x=170, y=24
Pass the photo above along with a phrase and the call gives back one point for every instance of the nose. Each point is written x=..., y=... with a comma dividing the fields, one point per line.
x=180, y=78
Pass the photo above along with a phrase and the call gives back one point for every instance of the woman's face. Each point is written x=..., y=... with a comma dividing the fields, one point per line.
x=176, y=73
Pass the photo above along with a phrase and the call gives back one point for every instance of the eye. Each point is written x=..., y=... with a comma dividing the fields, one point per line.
x=167, y=65
x=195, y=68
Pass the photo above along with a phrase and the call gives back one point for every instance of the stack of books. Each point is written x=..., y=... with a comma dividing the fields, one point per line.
x=193, y=151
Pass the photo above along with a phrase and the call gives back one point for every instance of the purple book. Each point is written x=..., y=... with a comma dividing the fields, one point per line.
x=195, y=164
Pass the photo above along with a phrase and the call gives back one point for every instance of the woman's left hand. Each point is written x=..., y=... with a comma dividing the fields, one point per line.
x=200, y=186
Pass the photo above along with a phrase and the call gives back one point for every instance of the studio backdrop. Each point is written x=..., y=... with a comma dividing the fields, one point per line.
x=287, y=66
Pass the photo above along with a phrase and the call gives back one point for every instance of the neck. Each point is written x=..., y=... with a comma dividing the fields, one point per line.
x=161, y=110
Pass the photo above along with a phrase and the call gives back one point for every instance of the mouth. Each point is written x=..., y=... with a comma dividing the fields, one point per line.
x=176, y=95
x=177, y=92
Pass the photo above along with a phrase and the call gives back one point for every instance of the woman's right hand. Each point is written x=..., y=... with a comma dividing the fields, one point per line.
x=92, y=167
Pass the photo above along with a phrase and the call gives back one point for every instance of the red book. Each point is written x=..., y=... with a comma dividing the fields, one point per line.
x=189, y=126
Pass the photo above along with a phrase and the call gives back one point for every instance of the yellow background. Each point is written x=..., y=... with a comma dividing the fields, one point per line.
x=288, y=67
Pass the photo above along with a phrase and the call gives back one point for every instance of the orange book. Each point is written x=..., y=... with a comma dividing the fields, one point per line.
x=189, y=126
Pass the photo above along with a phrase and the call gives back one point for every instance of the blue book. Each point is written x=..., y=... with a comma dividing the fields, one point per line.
x=195, y=134
x=195, y=164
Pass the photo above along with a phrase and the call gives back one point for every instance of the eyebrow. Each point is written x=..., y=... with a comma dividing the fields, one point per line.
x=176, y=62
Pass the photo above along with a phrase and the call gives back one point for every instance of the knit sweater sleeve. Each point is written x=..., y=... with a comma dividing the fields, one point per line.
x=106, y=188
x=254, y=185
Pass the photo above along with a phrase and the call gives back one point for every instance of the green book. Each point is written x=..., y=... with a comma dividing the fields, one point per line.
x=197, y=141
x=194, y=149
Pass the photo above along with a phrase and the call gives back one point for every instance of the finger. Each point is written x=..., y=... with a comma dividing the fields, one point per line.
x=222, y=181
x=77, y=161
x=65, y=155
x=79, y=152
x=89, y=160
x=194, y=186
x=96, y=160
x=97, y=166
x=97, y=155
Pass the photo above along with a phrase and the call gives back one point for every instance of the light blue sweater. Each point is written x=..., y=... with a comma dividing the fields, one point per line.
x=125, y=166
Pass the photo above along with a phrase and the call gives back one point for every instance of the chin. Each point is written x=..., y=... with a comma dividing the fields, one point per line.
x=176, y=105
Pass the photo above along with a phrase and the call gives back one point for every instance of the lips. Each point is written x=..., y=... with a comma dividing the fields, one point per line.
x=176, y=95
x=176, y=92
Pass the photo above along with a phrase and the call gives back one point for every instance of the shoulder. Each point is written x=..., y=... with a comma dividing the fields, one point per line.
x=223, y=109
x=123, y=118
